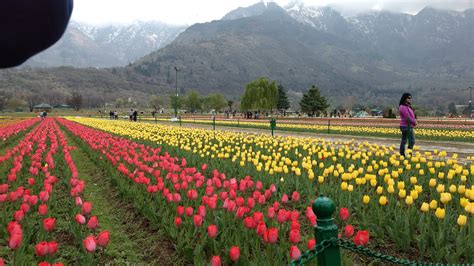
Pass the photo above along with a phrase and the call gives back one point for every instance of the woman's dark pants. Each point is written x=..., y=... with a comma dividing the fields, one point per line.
x=407, y=135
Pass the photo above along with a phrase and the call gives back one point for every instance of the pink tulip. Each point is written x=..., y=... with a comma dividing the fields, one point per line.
x=86, y=207
x=93, y=222
x=197, y=220
x=90, y=244
x=43, y=209
x=212, y=230
x=234, y=253
x=216, y=261
x=295, y=253
x=348, y=231
x=311, y=243
x=295, y=236
x=103, y=238
x=49, y=224
x=177, y=221
x=272, y=235
x=344, y=214
x=80, y=219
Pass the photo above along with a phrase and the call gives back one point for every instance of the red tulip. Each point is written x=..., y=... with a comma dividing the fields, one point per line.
x=180, y=210
x=189, y=211
x=177, y=221
x=14, y=227
x=41, y=249
x=197, y=220
x=212, y=230
x=80, y=219
x=272, y=235
x=78, y=201
x=103, y=238
x=271, y=212
x=295, y=225
x=234, y=253
x=25, y=207
x=93, y=222
x=282, y=216
x=295, y=236
x=31, y=181
x=49, y=224
x=261, y=228
x=295, y=196
x=86, y=207
x=18, y=216
x=90, y=244
x=344, y=214
x=311, y=243
x=361, y=238
x=43, y=209
x=52, y=247
x=44, y=263
x=202, y=211
x=284, y=198
x=15, y=241
x=348, y=231
x=249, y=222
x=295, y=253
x=216, y=261
x=44, y=196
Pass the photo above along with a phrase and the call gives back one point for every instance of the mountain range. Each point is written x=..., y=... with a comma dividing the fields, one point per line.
x=106, y=46
x=369, y=58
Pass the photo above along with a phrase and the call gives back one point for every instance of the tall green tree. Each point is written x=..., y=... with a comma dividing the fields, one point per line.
x=452, y=108
x=156, y=102
x=313, y=102
x=193, y=102
x=282, y=103
x=260, y=94
x=215, y=101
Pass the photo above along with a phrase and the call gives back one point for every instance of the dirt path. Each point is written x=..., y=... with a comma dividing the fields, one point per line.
x=133, y=240
x=461, y=148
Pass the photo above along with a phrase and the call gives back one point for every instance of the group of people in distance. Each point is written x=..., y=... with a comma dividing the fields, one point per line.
x=113, y=115
x=133, y=115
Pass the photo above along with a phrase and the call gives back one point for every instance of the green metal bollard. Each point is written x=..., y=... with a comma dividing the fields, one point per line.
x=179, y=120
x=329, y=125
x=214, y=122
x=324, y=209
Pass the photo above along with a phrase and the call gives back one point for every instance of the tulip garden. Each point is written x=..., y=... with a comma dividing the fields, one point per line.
x=225, y=198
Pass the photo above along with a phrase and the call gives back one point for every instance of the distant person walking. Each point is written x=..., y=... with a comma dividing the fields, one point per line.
x=134, y=115
x=407, y=122
x=130, y=115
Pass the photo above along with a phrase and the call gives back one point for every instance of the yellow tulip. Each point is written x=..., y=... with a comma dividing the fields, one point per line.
x=425, y=207
x=383, y=200
x=409, y=200
x=462, y=219
x=344, y=186
x=366, y=199
x=440, y=213
x=433, y=204
x=402, y=193
x=432, y=182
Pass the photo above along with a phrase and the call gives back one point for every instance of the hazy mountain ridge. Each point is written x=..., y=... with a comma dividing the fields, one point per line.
x=106, y=46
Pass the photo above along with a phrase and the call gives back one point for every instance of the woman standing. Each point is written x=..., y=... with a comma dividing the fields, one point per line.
x=407, y=122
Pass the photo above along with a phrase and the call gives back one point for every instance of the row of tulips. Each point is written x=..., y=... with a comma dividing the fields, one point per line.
x=428, y=193
x=15, y=128
x=32, y=196
x=465, y=134
x=216, y=217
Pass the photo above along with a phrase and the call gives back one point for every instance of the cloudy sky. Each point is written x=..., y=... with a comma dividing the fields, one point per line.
x=194, y=11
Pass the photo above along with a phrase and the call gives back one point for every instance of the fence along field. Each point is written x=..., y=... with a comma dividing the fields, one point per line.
x=224, y=197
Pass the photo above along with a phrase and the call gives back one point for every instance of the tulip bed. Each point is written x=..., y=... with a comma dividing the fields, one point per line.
x=451, y=134
x=43, y=217
x=8, y=130
x=424, y=202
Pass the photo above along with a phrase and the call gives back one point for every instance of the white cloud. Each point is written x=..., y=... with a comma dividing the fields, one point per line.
x=193, y=11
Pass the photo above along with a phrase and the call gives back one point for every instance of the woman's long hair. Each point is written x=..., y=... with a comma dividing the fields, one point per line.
x=403, y=100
